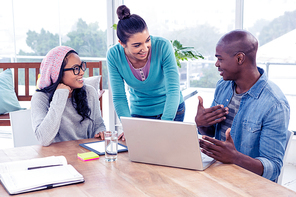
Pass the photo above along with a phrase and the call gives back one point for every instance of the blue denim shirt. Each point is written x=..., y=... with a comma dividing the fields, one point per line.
x=260, y=126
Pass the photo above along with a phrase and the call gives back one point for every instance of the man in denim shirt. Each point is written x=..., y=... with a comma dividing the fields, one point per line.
x=251, y=131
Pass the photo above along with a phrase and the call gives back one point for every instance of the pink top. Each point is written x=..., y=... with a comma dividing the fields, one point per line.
x=141, y=73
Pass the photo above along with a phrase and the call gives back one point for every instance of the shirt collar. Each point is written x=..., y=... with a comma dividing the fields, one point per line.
x=257, y=88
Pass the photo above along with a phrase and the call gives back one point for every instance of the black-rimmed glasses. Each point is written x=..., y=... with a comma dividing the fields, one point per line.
x=76, y=68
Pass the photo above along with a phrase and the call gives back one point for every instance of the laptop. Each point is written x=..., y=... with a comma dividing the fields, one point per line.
x=167, y=143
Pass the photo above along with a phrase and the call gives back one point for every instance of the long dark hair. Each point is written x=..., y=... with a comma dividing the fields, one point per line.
x=128, y=24
x=79, y=97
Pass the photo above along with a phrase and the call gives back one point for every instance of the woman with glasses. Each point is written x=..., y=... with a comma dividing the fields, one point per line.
x=63, y=108
x=148, y=66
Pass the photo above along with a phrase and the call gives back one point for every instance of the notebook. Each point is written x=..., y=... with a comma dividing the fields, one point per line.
x=168, y=143
x=38, y=173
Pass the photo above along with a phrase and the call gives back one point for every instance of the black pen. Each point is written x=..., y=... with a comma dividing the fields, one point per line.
x=32, y=168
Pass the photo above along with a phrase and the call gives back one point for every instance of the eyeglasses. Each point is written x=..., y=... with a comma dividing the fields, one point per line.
x=76, y=68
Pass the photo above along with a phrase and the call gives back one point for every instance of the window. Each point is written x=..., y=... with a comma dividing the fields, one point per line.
x=275, y=28
x=6, y=32
x=31, y=28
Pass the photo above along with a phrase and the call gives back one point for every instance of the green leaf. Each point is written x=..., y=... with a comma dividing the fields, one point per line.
x=114, y=26
x=184, y=53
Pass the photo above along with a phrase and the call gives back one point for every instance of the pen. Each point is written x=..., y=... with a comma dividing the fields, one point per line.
x=190, y=95
x=32, y=168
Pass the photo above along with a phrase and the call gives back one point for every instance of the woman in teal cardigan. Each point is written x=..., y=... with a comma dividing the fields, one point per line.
x=148, y=66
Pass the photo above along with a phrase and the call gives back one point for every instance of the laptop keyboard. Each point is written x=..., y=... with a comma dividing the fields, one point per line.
x=205, y=157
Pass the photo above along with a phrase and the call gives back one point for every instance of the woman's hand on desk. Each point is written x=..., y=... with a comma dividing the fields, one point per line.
x=121, y=136
x=100, y=135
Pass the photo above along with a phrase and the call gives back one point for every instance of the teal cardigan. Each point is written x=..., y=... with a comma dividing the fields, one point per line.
x=158, y=94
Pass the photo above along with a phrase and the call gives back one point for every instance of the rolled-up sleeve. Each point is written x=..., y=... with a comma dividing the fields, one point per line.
x=269, y=171
x=273, y=140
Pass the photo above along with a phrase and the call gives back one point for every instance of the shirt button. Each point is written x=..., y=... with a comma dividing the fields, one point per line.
x=227, y=100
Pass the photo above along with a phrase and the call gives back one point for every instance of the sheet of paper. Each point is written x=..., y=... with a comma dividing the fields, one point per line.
x=31, y=163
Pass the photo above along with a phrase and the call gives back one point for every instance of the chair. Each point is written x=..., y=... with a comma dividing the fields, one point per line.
x=22, y=131
x=289, y=140
x=91, y=66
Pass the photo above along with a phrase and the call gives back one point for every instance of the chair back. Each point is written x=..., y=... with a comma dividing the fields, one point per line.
x=289, y=140
x=22, y=130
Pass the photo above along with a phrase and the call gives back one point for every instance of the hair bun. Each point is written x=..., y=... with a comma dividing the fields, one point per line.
x=123, y=12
